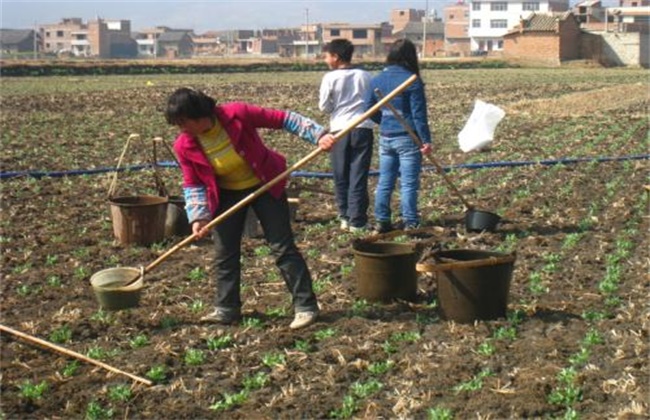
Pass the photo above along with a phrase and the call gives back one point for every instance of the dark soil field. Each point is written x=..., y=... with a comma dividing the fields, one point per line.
x=567, y=171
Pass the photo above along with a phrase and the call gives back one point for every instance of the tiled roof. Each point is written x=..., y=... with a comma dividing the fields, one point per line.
x=14, y=36
x=541, y=22
x=172, y=36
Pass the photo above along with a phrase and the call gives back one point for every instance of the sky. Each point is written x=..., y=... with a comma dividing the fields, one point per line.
x=207, y=15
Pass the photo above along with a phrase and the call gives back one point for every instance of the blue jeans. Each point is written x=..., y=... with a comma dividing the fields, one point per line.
x=398, y=156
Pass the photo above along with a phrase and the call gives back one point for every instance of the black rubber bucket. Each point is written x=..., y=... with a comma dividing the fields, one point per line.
x=469, y=293
x=176, y=223
x=385, y=271
x=479, y=220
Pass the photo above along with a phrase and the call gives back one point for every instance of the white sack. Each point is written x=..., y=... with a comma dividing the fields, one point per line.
x=479, y=128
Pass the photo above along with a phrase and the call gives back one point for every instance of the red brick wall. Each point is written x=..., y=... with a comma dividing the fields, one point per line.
x=570, y=35
x=543, y=47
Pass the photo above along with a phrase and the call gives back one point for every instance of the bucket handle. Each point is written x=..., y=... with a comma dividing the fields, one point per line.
x=427, y=268
x=160, y=185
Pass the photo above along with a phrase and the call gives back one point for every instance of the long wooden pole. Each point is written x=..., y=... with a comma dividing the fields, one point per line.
x=71, y=353
x=417, y=141
x=302, y=162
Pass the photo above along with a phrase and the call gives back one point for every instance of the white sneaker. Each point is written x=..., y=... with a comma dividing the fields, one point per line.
x=358, y=229
x=345, y=225
x=303, y=319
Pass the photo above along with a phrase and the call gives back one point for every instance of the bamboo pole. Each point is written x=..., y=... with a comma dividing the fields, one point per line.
x=71, y=353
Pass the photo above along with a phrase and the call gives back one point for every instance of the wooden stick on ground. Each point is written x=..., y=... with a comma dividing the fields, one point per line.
x=71, y=353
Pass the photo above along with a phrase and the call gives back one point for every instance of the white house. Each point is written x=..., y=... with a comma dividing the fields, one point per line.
x=490, y=20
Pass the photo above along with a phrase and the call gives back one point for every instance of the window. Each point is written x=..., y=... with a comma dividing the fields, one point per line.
x=359, y=34
x=476, y=23
x=335, y=32
x=59, y=34
x=500, y=44
x=530, y=6
x=476, y=5
x=451, y=17
x=499, y=6
x=499, y=23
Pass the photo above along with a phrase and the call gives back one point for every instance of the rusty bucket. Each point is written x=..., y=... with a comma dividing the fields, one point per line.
x=138, y=220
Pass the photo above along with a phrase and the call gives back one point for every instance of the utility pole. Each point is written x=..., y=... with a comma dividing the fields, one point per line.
x=424, y=28
x=35, y=40
x=307, y=33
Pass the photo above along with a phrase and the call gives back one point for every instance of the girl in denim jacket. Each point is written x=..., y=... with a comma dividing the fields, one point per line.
x=398, y=153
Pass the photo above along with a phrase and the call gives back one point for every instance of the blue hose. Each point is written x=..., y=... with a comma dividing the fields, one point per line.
x=305, y=174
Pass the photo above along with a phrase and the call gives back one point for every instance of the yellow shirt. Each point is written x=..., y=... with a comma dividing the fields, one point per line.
x=233, y=172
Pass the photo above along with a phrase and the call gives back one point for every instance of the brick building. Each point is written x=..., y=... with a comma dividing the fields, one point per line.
x=456, y=19
x=544, y=38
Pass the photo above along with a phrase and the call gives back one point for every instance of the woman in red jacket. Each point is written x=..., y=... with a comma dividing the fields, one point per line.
x=223, y=160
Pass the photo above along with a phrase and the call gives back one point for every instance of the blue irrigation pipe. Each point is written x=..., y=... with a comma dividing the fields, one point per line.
x=306, y=174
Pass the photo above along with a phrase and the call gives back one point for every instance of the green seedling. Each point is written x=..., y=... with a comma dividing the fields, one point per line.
x=486, y=348
x=250, y=322
x=157, y=373
x=257, y=381
x=567, y=375
x=277, y=312
x=51, y=260
x=262, y=251
x=321, y=335
x=81, y=273
x=535, y=284
x=54, y=281
x=196, y=306
x=273, y=359
x=406, y=336
x=120, y=393
x=570, y=414
x=197, y=274
x=566, y=395
x=594, y=316
x=592, y=338
x=99, y=353
x=32, y=391
x=580, y=358
x=359, y=307
x=475, y=383
x=379, y=368
x=346, y=270
x=440, y=413
x=139, y=341
x=61, y=335
x=230, y=400
x=194, y=357
x=571, y=240
x=95, y=411
x=102, y=316
x=505, y=333
x=347, y=409
x=303, y=346
x=389, y=347
x=321, y=285
x=217, y=343
x=22, y=268
x=70, y=369
x=363, y=390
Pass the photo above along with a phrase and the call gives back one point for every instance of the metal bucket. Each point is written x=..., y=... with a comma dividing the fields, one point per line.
x=110, y=292
x=468, y=293
x=139, y=220
x=385, y=271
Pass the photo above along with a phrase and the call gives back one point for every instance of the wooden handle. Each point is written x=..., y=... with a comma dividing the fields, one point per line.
x=427, y=268
x=418, y=141
x=302, y=162
x=71, y=353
